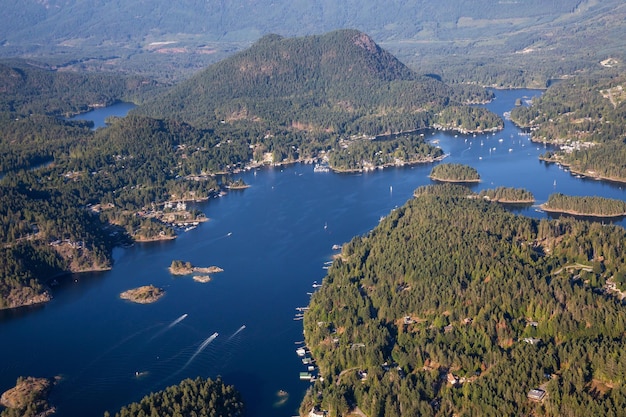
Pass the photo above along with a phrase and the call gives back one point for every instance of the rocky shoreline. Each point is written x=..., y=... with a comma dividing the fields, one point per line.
x=143, y=295
x=29, y=395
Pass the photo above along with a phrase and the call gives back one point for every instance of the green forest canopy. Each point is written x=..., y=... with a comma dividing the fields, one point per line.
x=585, y=117
x=585, y=205
x=338, y=83
x=454, y=173
x=453, y=305
x=192, y=397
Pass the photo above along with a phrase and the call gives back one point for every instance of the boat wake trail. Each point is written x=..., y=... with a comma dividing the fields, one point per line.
x=200, y=349
x=237, y=332
x=172, y=324
x=178, y=320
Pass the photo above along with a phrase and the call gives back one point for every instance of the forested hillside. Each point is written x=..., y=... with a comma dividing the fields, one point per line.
x=340, y=83
x=585, y=116
x=101, y=189
x=28, y=88
x=454, y=306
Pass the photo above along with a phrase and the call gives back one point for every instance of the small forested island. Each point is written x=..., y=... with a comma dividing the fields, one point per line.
x=587, y=206
x=192, y=397
x=454, y=173
x=508, y=195
x=238, y=184
x=29, y=398
x=584, y=117
x=143, y=295
x=455, y=306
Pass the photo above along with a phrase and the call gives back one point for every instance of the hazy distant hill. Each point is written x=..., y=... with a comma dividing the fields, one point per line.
x=562, y=35
x=338, y=82
x=103, y=21
x=28, y=89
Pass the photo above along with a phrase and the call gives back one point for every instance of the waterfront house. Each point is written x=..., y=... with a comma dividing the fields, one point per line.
x=317, y=412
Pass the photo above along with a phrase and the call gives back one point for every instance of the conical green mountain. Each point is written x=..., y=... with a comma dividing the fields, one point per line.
x=339, y=82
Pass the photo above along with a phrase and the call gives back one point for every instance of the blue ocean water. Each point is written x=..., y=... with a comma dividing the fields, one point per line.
x=272, y=241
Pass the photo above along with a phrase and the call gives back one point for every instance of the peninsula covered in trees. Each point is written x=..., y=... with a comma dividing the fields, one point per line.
x=453, y=305
x=589, y=206
x=584, y=116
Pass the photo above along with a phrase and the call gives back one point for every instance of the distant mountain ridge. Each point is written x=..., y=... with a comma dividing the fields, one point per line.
x=110, y=21
x=499, y=43
x=332, y=82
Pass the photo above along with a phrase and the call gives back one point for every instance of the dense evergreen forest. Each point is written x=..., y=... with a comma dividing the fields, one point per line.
x=508, y=195
x=455, y=306
x=585, y=117
x=585, y=206
x=454, y=173
x=30, y=88
x=339, y=83
x=198, y=397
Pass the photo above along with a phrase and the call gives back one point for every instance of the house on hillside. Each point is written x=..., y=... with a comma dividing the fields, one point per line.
x=532, y=340
x=452, y=379
x=536, y=394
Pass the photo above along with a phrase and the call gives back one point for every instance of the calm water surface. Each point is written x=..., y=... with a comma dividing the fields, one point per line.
x=99, y=116
x=272, y=240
